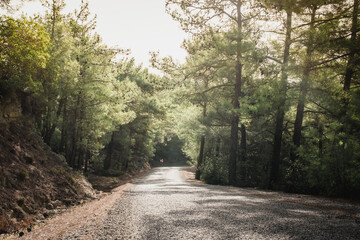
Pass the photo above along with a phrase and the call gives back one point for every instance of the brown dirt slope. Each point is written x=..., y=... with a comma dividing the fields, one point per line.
x=34, y=182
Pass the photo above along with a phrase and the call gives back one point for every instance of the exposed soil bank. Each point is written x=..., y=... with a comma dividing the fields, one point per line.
x=35, y=183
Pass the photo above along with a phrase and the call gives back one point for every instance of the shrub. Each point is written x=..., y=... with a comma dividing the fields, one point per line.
x=22, y=175
x=214, y=171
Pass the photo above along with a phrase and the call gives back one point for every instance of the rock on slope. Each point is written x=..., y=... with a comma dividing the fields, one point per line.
x=34, y=181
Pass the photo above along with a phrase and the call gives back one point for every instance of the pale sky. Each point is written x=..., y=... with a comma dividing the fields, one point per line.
x=140, y=25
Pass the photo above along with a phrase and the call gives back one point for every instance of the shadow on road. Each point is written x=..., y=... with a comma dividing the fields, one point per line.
x=193, y=210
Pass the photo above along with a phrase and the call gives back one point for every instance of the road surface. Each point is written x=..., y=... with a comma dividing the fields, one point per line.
x=164, y=204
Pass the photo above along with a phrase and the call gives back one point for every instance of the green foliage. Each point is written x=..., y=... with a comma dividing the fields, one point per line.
x=23, y=52
x=215, y=171
x=22, y=176
x=326, y=159
x=71, y=179
x=3, y=181
x=132, y=144
x=170, y=152
x=111, y=116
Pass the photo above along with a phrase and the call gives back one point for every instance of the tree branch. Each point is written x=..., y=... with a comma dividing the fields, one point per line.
x=274, y=59
x=214, y=87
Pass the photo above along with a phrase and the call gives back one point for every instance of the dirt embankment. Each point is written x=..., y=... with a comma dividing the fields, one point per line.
x=35, y=183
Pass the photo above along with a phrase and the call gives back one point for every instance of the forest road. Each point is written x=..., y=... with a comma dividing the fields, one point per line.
x=167, y=204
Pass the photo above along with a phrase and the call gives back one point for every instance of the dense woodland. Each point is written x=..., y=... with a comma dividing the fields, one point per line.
x=269, y=94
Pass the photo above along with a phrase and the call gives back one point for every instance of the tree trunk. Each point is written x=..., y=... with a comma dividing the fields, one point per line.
x=320, y=129
x=53, y=19
x=75, y=133
x=275, y=160
x=86, y=163
x=200, y=158
x=353, y=49
x=201, y=152
x=304, y=85
x=49, y=133
x=80, y=136
x=234, y=132
x=46, y=123
x=63, y=139
x=80, y=158
x=109, y=153
x=243, y=154
x=217, y=148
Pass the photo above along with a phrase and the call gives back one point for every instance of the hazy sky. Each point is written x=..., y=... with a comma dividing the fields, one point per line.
x=140, y=25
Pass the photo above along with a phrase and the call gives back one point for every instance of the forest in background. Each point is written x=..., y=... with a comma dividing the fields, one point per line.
x=268, y=95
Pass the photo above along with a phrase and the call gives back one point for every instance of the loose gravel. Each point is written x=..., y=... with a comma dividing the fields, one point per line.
x=163, y=205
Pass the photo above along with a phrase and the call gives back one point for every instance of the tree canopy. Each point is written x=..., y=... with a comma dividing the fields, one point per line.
x=268, y=95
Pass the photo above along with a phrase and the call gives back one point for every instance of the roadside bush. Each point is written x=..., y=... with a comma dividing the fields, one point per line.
x=214, y=171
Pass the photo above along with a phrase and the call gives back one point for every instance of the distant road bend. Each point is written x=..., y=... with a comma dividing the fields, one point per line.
x=164, y=205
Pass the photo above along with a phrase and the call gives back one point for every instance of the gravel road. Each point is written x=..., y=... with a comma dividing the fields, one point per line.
x=163, y=205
